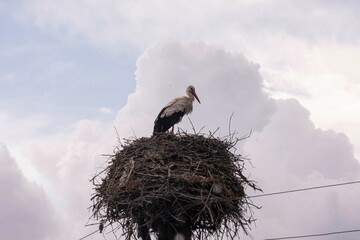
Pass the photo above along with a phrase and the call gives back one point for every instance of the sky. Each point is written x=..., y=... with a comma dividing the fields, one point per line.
x=73, y=71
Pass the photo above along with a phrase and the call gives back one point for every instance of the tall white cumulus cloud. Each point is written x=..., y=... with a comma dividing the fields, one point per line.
x=226, y=82
x=287, y=150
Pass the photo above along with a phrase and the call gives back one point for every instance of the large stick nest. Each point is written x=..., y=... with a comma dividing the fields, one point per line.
x=175, y=178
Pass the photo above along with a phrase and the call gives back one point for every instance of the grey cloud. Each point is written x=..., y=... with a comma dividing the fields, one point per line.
x=68, y=161
x=25, y=211
x=308, y=20
x=293, y=142
x=291, y=153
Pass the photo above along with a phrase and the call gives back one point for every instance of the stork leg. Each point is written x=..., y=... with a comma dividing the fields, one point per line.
x=172, y=130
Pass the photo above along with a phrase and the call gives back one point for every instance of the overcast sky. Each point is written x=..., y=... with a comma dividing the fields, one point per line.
x=72, y=70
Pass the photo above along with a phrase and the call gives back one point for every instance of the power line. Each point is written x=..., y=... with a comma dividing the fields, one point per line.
x=291, y=191
x=304, y=189
x=89, y=234
x=314, y=235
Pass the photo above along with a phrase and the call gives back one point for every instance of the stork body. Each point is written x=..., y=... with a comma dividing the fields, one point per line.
x=174, y=111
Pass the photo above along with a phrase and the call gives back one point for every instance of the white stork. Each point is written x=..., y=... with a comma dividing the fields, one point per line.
x=173, y=112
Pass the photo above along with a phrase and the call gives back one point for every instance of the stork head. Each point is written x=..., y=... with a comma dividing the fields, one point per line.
x=190, y=90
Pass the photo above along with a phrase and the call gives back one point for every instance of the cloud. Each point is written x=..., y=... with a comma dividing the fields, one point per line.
x=162, y=19
x=10, y=77
x=291, y=153
x=286, y=148
x=105, y=110
x=292, y=142
x=324, y=80
x=307, y=50
x=302, y=46
x=16, y=129
x=68, y=161
x=26, y=212
x=226, y=83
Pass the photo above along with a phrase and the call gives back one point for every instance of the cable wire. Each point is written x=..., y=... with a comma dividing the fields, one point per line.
x=291, y=191
x=314, y=235
x=304, y=189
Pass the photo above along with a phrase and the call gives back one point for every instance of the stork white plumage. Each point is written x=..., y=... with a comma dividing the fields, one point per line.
x=174, y=111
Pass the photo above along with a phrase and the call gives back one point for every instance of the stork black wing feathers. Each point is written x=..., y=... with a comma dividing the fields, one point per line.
x=162, y=124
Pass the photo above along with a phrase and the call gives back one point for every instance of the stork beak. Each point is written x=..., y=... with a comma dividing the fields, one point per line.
x=195, y=95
